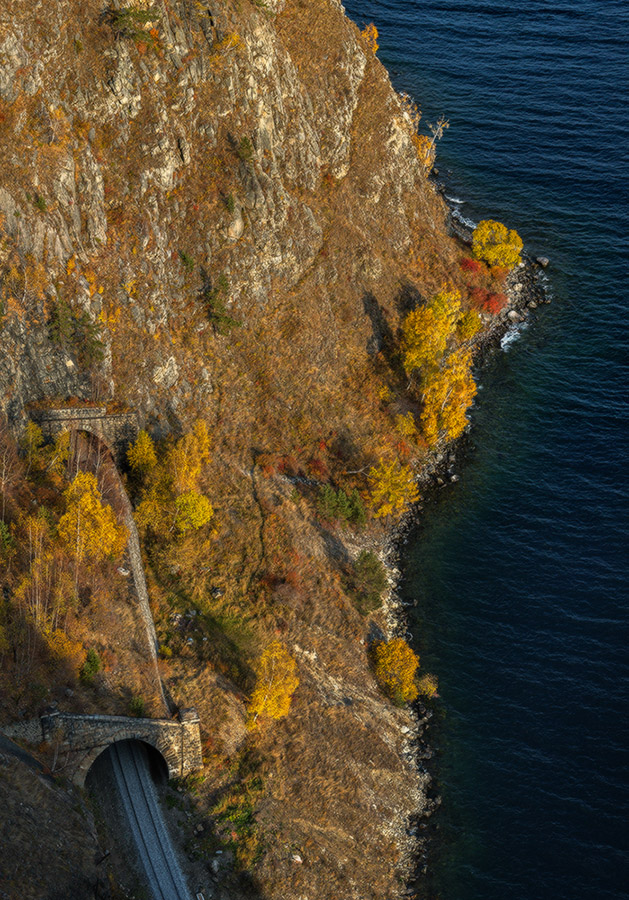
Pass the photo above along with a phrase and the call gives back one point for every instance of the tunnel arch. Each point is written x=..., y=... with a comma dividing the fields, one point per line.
x=96, y=763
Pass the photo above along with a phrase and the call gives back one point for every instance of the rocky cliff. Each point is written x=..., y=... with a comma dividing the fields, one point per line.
x=216, y=211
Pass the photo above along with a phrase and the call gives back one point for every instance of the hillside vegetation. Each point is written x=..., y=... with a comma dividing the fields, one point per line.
x=219, y=216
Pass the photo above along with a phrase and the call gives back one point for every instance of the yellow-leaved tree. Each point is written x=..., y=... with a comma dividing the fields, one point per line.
x=187, y=457
x=192, y=511
x=426, y=330
x=494, y=243
x=447, y=397
x=276, y=682
x=171, y=499
x=392, y=487
x=396, y=664
x=141, y=455
x=89, y=528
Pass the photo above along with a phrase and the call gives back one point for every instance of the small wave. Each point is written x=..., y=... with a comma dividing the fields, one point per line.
x=512, y=335
x=454, y=200
x=469, y=223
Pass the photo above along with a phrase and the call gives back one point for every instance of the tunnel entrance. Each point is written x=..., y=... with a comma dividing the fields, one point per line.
x=101, y=772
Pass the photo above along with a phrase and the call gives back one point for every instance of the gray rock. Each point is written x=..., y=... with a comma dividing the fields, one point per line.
x=543, y=261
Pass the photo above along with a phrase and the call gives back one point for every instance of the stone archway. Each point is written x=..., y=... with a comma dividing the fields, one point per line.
x=96, y=761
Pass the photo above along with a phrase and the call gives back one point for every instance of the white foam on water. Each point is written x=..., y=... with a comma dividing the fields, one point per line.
x=454, y=200
x=512, y=335
x=470, y=223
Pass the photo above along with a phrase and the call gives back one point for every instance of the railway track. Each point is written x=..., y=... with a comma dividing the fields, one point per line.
x=155, y=851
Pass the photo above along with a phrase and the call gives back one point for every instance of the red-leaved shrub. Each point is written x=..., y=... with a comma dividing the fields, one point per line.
x=474, y=266
x=490, y=303
x=495, y=303
x=478, y=297
x=499, y=274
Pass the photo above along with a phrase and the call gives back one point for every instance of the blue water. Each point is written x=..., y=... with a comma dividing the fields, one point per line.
x=520, y=570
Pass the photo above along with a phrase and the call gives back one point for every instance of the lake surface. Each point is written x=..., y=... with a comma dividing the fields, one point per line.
x=520, y=570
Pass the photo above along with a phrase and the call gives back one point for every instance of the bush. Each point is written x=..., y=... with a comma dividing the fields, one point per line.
x=91, y=667
x=473, y=266
x=137, y=707
x=478, y=297
x=186, y=260
x=428, y=686
x=335, y=505
x=214, y=298
x=495, y=303
x=127, y=22
x=366, y=582
x=396, y=664
x=392, y=487
x=192, y=510
x=370, y=35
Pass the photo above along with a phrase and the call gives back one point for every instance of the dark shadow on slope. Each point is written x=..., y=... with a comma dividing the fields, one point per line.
x=381, y=340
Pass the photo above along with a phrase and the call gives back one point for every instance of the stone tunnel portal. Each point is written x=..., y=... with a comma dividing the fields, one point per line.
x=100, y=772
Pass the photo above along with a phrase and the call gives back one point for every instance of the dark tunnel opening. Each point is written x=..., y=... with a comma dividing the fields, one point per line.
x=101, y=772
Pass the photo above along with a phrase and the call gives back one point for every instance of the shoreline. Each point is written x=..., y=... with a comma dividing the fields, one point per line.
x=525, y=293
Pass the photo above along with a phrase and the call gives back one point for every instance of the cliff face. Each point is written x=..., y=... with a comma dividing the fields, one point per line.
x=219, y=213
x=263, y=144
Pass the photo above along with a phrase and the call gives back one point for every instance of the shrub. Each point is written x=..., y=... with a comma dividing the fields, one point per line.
x=244, y=151
x=405, y=425
x=478, y=297
x=395, y=666
x=127, y=22
x=495, y=303
x=333, y=505
x=137, y=707
x=214, y=298
x=496, y=245
x=366, y=582
x=473, y=266
x=187, y=260
x=192, y=511
x=428, y=686
x=370, y=35
x=91, y=667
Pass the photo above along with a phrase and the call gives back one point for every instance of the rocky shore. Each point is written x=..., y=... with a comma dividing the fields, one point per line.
x=525, y=290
